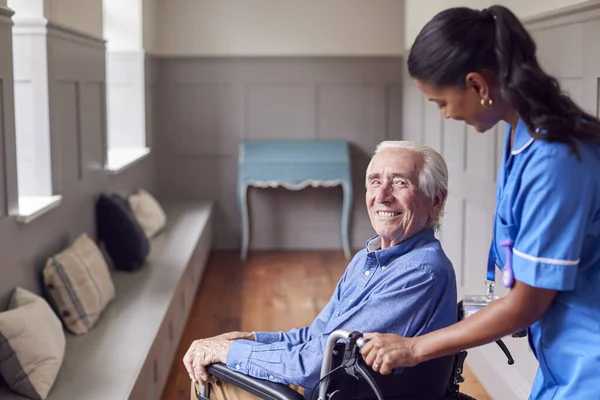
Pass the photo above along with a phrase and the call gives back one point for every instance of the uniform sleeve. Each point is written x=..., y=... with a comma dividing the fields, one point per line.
x=553, y=209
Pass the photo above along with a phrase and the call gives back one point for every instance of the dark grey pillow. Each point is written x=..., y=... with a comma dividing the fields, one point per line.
x=121, y=233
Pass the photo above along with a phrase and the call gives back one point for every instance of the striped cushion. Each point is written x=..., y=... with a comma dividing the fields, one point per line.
x=78, y=282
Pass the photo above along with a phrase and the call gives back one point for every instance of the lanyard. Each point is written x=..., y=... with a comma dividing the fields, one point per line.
x=508, y=276
x=507, y=272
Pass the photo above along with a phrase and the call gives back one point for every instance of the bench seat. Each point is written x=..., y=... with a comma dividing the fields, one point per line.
x=129, y=352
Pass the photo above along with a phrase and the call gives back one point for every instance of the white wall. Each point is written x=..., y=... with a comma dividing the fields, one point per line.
x=82, y=15
x=275, y=27
x=131, y=25
x=419, y=12
x=123, y=24
x=27, y=8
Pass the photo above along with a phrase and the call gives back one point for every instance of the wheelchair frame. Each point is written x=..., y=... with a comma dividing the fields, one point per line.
x=353, y=342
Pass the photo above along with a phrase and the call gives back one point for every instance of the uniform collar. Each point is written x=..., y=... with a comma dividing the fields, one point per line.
x=522, y=137
x=425, y=236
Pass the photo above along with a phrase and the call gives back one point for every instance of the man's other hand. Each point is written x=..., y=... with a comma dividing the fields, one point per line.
x=204, y=352
x=234, y=336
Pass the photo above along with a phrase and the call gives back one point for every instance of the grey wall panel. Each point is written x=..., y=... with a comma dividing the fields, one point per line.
x=150, y=74
x=361, y=224
x=568, y=63
x=8, y=159
x=206, y=105
x=574, y=88
x=93, y=124
x=591, y=67
x=274, y=111
x=454, y=145
x=394, y=111
x=432, y=125
x=3, y=134
x=202, y=120
x=24, y=249
x=353, y=112
x=67, y=127
x=211, y=178
x=412, y=109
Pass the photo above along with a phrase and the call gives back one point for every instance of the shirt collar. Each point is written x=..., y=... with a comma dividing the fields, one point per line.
x=425, y=236
x=522, y=137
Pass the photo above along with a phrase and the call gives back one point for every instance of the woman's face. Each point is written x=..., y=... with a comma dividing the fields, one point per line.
x=465, y=104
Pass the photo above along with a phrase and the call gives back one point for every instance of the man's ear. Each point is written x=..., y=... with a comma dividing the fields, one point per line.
x=438, y=203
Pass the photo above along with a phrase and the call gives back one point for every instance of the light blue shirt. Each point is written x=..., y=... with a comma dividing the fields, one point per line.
x=408, y=289
x=548, y=203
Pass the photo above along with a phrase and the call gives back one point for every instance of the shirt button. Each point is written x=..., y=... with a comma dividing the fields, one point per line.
x=237, y=366
x=367, y=273
x=383, y=268
x=271, y=377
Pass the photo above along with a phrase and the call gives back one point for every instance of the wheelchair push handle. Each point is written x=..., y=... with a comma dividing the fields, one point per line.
x=354, y=340
x=360, y=342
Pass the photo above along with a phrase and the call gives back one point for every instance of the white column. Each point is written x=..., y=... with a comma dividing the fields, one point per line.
x=32, y=120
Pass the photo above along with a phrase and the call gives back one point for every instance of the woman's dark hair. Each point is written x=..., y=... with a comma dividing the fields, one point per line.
x=461, y=40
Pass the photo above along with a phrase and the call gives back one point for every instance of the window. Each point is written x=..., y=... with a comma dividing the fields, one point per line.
x=125, y=87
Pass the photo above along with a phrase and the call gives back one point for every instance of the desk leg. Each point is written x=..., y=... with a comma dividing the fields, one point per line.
x=346, y=209
x=243, y=197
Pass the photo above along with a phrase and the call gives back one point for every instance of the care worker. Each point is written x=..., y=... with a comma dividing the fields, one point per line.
x=480, y=67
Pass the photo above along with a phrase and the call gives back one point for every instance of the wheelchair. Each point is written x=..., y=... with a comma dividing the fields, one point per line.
x=345, y=376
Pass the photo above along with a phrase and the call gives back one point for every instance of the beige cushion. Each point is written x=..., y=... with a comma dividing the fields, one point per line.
x=32, y=345
x=148, y=212
x=79, y=282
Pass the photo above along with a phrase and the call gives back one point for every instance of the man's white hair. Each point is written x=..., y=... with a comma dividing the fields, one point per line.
x=433, y=178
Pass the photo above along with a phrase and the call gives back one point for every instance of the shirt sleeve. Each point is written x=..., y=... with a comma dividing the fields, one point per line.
x=553, y=209
x=391, y=310
x=293, y=336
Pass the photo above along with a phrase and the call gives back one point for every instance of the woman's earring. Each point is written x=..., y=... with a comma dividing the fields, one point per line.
x=489, y=102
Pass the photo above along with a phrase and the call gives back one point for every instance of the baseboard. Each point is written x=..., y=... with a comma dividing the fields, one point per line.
x=500, y=380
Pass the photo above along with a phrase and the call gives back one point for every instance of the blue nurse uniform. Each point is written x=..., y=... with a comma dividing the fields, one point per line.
x=548, y=204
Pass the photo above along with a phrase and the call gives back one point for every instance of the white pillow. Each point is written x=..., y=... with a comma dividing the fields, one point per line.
x=79, y=283
x=148, y=212
x=32, y=345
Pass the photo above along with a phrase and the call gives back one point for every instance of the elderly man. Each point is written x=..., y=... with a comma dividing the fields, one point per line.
x=401, y=282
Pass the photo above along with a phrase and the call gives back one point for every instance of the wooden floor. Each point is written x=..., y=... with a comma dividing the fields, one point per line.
x=270, y=291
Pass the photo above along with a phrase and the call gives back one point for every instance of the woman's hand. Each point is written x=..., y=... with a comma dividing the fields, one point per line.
x=384, y=352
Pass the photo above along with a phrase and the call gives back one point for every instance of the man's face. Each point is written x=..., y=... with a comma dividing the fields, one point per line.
x=397, y=207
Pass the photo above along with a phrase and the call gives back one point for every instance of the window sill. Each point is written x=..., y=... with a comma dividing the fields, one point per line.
x=121, y=159
x=33, y=207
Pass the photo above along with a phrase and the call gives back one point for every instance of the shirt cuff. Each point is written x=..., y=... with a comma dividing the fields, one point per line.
x=238, y=355
x=544, y=273
x=267, y=337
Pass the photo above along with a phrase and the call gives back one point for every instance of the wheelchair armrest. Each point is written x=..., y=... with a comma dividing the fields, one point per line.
x=258, y=387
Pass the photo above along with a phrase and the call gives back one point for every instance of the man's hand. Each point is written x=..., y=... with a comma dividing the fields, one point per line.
x=234, y=336
x=202, y=353
x=384, y=352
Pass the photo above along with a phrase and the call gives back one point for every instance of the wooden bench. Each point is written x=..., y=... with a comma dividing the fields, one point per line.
x=129, y=352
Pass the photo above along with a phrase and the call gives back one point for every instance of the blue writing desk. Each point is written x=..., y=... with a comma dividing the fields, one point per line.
x=294, y=164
